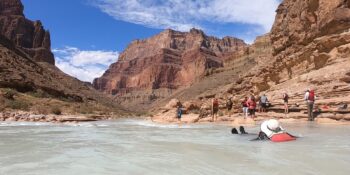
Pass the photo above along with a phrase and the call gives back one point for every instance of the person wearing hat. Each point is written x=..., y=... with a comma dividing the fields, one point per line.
x=309, y=98
x=271, y=127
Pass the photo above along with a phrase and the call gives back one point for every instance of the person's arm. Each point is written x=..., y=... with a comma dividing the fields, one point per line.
x=306, y=97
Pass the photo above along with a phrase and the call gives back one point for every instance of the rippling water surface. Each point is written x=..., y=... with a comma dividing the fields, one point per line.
x=141, y=147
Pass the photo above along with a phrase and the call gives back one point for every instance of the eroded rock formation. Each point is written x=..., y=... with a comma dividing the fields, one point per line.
x=27, y=66
x=308, y=47
x=165, y=62
x=28, y=35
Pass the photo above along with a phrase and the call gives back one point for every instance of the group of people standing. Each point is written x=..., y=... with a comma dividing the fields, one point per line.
x=250, y=105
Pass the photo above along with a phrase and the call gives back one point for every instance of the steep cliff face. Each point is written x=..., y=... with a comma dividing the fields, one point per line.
x=28, y=35
x=299, y=22
x=305, y=36
x=27, y=66
x=166, y=61
x=308, y=47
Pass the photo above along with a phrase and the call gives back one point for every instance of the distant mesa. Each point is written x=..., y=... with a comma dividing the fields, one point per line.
x=169, y=60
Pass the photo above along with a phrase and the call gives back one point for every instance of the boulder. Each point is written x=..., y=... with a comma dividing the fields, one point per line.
x=173, y=103
x=191, y=105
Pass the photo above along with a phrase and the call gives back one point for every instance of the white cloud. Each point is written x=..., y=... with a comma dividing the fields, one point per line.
x=84, y=64
x=185, y=14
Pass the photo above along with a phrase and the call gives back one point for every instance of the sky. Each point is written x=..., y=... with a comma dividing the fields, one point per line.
x=88, y=35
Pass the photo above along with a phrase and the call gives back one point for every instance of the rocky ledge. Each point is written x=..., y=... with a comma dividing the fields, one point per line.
x=240, y=120
x=197, y=112
x=31, y=117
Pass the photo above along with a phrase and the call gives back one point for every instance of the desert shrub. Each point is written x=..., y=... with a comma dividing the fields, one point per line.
x=20, y=105
x=220, y=113
x=56, y=110
x=85, y=109
x=9, y=94
x=39, y=94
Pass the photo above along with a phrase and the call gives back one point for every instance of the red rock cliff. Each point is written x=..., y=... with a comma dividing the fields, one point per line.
x=299, y=22
x=168, y=60
x=28, y=35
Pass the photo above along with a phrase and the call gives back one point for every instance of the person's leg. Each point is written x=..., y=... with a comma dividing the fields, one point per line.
x=312, y=111
x=212, y=115
x=309, y=111
x=287, y=107
x=260, y=108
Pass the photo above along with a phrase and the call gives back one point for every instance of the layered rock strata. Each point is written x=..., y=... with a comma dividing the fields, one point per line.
x=30, y=36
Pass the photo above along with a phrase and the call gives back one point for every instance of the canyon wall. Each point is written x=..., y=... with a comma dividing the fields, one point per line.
x=28, y=35
x=153, y=68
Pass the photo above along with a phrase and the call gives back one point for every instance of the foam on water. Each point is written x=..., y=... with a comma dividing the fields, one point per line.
x=148, y=123
x=25, y=124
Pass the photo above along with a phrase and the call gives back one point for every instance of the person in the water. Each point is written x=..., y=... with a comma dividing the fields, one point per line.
x=271, y=127
x=241, y=130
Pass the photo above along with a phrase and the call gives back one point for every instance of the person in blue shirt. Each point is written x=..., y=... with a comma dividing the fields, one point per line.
x=179, y=112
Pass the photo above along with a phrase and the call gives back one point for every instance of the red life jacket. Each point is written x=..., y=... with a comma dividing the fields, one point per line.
x=282, y=137
x=311, y=95
x=251, y=104
x=215, y=102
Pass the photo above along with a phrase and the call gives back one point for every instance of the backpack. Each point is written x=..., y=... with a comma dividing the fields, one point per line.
x=251, y=104
x=311, y=96
x=215, y=102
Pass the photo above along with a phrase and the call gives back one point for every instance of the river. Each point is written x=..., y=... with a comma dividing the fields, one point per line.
x=141, y=147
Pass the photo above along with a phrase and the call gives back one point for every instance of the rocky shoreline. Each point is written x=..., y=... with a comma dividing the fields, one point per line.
x=235, y=119
x=21, y=116
x=240, y=120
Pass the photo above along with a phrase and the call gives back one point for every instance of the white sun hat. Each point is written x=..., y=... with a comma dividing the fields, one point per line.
x=269, y=127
